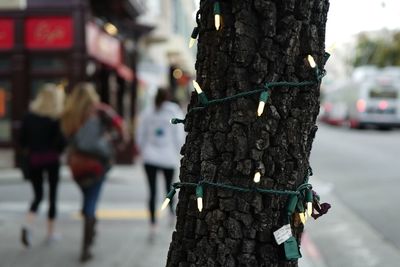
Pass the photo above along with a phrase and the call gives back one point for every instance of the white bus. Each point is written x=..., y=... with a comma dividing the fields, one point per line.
x=373, y=102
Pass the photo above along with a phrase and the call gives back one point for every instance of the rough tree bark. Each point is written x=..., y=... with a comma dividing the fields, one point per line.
x=260, y=41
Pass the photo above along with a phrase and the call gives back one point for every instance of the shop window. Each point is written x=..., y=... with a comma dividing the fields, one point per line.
x=5, y=111
x=38, y=84
x=39, y=63
x=5, y=64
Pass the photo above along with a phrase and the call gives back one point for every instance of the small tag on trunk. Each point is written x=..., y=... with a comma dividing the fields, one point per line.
x=283, y=234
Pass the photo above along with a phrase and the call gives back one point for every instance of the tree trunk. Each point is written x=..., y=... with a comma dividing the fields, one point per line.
x=260, y=41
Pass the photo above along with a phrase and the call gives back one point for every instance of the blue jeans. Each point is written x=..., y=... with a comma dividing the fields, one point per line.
x=90, y=197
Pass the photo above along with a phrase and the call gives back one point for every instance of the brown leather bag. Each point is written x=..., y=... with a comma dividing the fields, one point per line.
x=86, y=170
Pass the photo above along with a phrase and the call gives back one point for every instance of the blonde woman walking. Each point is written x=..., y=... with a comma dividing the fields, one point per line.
x=42, y=139
x=83, y=111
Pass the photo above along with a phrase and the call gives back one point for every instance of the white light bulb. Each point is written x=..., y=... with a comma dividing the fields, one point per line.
x=309, y=208
x=311, y=61
x=260, y=109
x=165, y=203
x=191, y=42
x=302, y=217
x=217, y=21
x=257, y=177
x=331, y=48
x=197, y=87
x=200, y=203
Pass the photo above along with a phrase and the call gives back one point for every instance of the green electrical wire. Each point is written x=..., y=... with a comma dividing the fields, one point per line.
x=267, y=86
x=297, y=192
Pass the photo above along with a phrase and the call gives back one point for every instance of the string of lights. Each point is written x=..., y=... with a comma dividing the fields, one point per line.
x=204, y=102
x=306, y=187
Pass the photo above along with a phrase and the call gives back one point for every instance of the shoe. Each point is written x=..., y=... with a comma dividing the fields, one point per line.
x=26, y=237
x=54, y=238
x=152, y=233
x=85, y=257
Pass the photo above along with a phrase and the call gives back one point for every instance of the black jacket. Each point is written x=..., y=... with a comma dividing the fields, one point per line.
x=41, y=134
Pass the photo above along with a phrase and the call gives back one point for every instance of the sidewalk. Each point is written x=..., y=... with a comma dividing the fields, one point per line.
x=121, y=242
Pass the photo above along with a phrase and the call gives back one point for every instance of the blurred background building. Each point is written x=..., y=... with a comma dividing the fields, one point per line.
x=123, y=46
x=165, y=58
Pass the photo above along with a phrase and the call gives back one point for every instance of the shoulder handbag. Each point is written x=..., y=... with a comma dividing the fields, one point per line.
x=91, y=139
x=85, y=170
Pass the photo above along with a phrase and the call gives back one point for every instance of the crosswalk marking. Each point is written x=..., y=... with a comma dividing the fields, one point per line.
x=106, y=212
x=118, y=214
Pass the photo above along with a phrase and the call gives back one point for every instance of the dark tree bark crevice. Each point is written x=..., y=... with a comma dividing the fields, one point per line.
x=260, y=41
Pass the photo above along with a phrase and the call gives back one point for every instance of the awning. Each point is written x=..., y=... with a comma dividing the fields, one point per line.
x=107, y=50
x=102, y=46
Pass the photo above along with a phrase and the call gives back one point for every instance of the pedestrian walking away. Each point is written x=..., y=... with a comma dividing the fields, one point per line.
x=159, y=143
x=42, y=143
x=91, y=128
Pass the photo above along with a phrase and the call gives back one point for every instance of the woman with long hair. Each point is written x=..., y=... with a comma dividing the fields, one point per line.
x=43, y=142
x=159, y=143
x=89, y=168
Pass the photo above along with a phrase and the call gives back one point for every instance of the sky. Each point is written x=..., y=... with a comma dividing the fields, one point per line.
x=349, y=17
x=346, y=18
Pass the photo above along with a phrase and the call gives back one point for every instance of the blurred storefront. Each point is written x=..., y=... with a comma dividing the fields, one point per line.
x=166, y=60
x=65, y=42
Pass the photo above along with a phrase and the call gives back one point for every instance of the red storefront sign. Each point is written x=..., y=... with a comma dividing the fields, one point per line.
x=6, y=33
x=49, y=32
x=103, y=47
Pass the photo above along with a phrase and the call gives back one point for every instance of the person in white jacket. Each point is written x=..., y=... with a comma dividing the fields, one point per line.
x=159, y=143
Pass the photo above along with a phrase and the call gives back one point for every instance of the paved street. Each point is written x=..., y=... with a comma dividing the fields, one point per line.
x=358, y=172
x=354, y=170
